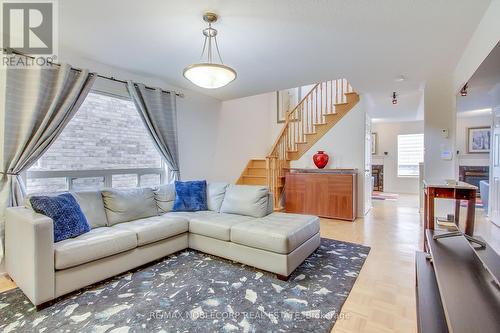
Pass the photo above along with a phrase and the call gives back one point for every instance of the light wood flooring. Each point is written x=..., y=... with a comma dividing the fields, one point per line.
x=383, y=298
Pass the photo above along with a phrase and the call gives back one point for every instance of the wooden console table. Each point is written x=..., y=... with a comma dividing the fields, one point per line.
x=443, y=190
x=330, y=193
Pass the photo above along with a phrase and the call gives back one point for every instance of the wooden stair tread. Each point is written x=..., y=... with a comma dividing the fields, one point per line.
x=254, y=176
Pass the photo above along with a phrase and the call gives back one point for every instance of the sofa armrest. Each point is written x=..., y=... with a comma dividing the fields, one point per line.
x=29, y=253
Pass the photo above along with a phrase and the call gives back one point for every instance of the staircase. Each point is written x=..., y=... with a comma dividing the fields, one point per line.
x=323, y=107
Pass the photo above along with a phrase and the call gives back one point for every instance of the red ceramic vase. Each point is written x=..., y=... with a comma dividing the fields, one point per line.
x=320, y=159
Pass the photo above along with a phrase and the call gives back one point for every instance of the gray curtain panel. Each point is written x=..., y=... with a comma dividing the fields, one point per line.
x=159, y=114
x=38, y=105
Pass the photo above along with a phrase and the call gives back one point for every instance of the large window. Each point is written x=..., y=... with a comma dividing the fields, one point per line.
x=410, y=154
x=104, y=145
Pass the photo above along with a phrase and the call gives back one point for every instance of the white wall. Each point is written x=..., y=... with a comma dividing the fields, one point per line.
x=387, y=141
x=439, y=113
x=345, y=145
x=245, y=131
x=461, y=141
x=198, y=115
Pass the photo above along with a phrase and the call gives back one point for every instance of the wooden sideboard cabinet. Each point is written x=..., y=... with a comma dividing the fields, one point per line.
x=329, y=193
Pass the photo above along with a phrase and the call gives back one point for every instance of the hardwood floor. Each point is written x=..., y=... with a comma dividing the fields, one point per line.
x=6, y=284
x=383, y=298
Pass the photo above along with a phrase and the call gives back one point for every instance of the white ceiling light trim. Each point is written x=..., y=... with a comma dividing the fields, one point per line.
x=207, y=74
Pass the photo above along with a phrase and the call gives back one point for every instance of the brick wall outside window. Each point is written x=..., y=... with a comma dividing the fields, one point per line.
x=105, y=133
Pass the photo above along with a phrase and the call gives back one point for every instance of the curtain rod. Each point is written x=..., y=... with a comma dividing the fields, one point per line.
x=111, y=78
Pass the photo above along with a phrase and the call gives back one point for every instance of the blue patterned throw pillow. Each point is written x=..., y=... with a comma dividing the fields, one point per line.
x=190, y=196
x=66, y=213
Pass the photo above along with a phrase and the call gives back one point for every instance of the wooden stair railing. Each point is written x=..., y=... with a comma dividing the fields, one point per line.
x=313, y=117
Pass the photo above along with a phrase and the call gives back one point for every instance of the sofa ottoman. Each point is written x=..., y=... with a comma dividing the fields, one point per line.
x=276, y=232
x=277, y=243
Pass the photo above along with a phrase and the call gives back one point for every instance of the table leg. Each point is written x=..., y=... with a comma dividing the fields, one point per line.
x=457, y=211
x=430, y=222
x=426, y=212
x=471, y=214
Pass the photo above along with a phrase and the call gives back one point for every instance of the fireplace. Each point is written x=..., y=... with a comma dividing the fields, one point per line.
x=473, y=174
x=378, y=177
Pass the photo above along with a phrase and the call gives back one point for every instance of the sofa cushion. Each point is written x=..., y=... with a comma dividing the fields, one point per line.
x=95, y=244
x=128, y=205
x=215, y=195
x=65, y=212
x=246, y=200
x=92, y=206
x=277, y=232
x=153, y=229
x=90, y=203
x=165, y=197
x=190, y=196
x=216, y=225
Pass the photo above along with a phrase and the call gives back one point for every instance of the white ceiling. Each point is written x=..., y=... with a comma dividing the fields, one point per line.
x=275, y=44
x=409, y=107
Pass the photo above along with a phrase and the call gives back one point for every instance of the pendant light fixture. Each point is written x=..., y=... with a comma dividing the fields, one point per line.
x=208, y=74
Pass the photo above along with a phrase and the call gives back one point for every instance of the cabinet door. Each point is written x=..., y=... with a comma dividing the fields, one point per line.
x=295, y=194
x=325, y=195
x=340, y=197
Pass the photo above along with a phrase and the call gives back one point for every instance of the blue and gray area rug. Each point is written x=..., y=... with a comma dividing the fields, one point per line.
x=195, y=292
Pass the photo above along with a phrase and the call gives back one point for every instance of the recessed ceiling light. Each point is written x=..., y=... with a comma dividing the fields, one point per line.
x=400, y=78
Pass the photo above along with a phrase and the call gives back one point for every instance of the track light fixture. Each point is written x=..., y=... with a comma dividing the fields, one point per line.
x=394, y=98
x=463, y=92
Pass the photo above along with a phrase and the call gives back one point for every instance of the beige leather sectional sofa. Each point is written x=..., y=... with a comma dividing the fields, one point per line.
x=133, y=227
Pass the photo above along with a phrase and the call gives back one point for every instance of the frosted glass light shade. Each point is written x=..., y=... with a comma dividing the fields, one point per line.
x=209, y=76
